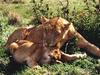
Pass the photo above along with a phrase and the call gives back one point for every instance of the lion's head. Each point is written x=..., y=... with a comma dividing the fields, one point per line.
x=57, y=29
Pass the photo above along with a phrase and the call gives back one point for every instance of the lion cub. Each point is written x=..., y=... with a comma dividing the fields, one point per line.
x=32, y=54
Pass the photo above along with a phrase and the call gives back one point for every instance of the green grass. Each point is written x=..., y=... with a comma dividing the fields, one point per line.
x=88, y=66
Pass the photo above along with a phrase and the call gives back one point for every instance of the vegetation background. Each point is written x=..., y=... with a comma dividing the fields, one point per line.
x=85, y=14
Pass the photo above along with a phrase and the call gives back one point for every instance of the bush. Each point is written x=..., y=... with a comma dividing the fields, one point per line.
x=13, y=18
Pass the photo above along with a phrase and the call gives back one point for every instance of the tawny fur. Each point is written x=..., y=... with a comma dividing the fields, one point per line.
x=32, y=54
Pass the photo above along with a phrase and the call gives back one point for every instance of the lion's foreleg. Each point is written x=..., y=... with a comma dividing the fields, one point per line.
x=67, y=57
x=83, y=43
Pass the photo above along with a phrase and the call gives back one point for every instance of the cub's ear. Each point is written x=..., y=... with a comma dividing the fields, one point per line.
x=44, y=20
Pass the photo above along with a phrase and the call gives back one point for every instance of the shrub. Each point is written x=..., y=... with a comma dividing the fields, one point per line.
x=13, y=18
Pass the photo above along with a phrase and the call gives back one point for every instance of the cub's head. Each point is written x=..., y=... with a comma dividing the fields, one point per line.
x=56, y=54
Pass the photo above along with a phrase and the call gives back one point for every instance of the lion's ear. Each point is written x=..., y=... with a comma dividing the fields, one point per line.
x=44, y=20
x=54, y=21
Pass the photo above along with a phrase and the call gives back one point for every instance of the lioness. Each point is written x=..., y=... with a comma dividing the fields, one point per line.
x=52, y=34
x=69, y=33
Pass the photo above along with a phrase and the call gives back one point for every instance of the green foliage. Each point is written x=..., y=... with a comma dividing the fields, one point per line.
x=57, y=69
